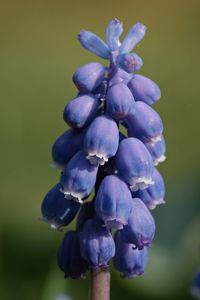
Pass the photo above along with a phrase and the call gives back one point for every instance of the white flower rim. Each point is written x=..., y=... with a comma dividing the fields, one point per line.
x=97, y=158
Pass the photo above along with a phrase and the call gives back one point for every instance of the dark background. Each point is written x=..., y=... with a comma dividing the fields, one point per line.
x=39, y=53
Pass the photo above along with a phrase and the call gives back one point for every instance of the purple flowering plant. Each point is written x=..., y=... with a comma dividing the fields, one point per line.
x=109, y=179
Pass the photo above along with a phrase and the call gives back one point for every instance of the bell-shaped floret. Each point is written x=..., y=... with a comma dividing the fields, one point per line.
x=134, y=164
x=113, y=202
x=97, y=244
x=66, y=145
x=113, y=33
x=81, y=111
x=157, y=150
x=119, y=102
x=133, y=37
x=56, y=210
x=144, y=89
x=129, y=261
x=145, y=124
x=78, y=178
x=141, y=226
x=88, y=77
x=69, y=257
x=129, y=62
x=155, y=193
x=94, y=44
x=101, y=140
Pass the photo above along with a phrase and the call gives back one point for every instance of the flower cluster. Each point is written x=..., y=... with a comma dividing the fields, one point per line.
x=108, y=178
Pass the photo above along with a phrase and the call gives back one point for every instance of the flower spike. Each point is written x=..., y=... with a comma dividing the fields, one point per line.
x=108, y=179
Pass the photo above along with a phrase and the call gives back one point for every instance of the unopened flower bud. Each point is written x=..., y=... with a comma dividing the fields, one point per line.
x=134, y=164
x=56, y=210
x=81, y=111
x=144, y=89
x=155, y=193
x=145, y=124
x=119, y=102
x=69, y=256
x=66, y=146
x=133, y=37
x=94, y=44
x=141, y=226
x=129, y=62
x=101, y=140
x=113, y=33
x=129, y=261
x=113, y=202
x=88, y=77
x=157, y=150
x=78, y=178
x=97, y=244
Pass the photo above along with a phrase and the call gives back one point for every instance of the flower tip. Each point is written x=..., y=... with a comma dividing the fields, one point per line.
x=117, y=21
x=141, y=26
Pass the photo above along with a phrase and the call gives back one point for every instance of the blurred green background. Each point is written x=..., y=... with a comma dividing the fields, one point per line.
x=38, y=54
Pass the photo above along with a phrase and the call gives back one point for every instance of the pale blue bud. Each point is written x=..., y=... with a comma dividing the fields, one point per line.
x=88, y=77
x=113, y=33
x=145, y=124
x=155, y=193
x=94, y=44
x=134, y=164
x=81, y=111
x=129, y=62
x=144, y=89
x=133, y=37
x=119, y=102
x=129, y=261
x=78, y=178
x=141, y=226
x=113, y=202
x=101, y=140
x=97, y=244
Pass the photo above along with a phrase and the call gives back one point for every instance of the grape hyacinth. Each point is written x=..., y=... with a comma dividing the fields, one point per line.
x=108, y=178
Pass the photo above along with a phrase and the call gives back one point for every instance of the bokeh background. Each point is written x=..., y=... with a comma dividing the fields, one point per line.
x=38, y=54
